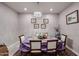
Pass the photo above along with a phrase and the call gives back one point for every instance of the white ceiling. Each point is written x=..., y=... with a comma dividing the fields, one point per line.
x=41, y=6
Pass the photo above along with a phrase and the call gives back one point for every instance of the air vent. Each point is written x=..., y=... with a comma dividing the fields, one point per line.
x=70, y=42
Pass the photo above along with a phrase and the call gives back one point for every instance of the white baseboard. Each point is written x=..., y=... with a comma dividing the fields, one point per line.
x=13, y=48
x=73, y=51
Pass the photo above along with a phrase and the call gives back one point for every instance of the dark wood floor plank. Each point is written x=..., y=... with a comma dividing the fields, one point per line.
x=67, y=53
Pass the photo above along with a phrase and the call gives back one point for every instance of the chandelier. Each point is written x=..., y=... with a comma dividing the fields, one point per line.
x=37, y=14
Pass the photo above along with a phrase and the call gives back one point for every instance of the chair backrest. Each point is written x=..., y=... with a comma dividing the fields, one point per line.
x=22, y=38
x=52, y=44
x=35, y=44
x=63, y=38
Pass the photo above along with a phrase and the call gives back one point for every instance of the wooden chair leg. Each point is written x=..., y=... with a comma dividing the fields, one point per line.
x=62, y=53
x=21, y=53
x=44, y=53
x=59, y=53
x=56, y=53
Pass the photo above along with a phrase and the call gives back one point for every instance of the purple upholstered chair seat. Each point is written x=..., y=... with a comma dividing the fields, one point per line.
x=60, y=46
x=24, y=47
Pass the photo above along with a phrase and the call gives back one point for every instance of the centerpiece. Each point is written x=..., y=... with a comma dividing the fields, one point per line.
x=42, y=36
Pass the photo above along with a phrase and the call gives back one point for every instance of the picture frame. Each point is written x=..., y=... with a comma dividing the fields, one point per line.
x=72, y=17
x=33, y=20
x=36, y=26
x=45, y=21
x=43, y=26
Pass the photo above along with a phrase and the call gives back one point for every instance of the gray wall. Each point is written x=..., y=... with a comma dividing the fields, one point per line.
x=26, y=27
x=71, y=30
x=8, y=25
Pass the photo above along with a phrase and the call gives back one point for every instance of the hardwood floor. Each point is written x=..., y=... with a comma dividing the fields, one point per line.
x=67, y=53
x=4, y=50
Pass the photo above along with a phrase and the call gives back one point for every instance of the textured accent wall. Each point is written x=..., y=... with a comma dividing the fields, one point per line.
x=26, y=27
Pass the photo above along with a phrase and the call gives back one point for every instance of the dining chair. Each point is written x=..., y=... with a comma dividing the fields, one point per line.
x=35, y=47
x=52, y=47
x=62, y=44
x=22, y=38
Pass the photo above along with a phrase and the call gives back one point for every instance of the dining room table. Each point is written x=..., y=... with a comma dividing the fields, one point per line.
x=25, y=45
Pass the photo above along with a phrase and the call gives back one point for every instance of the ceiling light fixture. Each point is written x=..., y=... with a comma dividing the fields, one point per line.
x=51, y=9
x=25, y=9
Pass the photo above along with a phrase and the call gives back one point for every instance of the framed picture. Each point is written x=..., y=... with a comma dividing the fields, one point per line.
x=72, y=17
x=45, y=21
x=36, y=26
x=33, y=20
x=43, y=26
